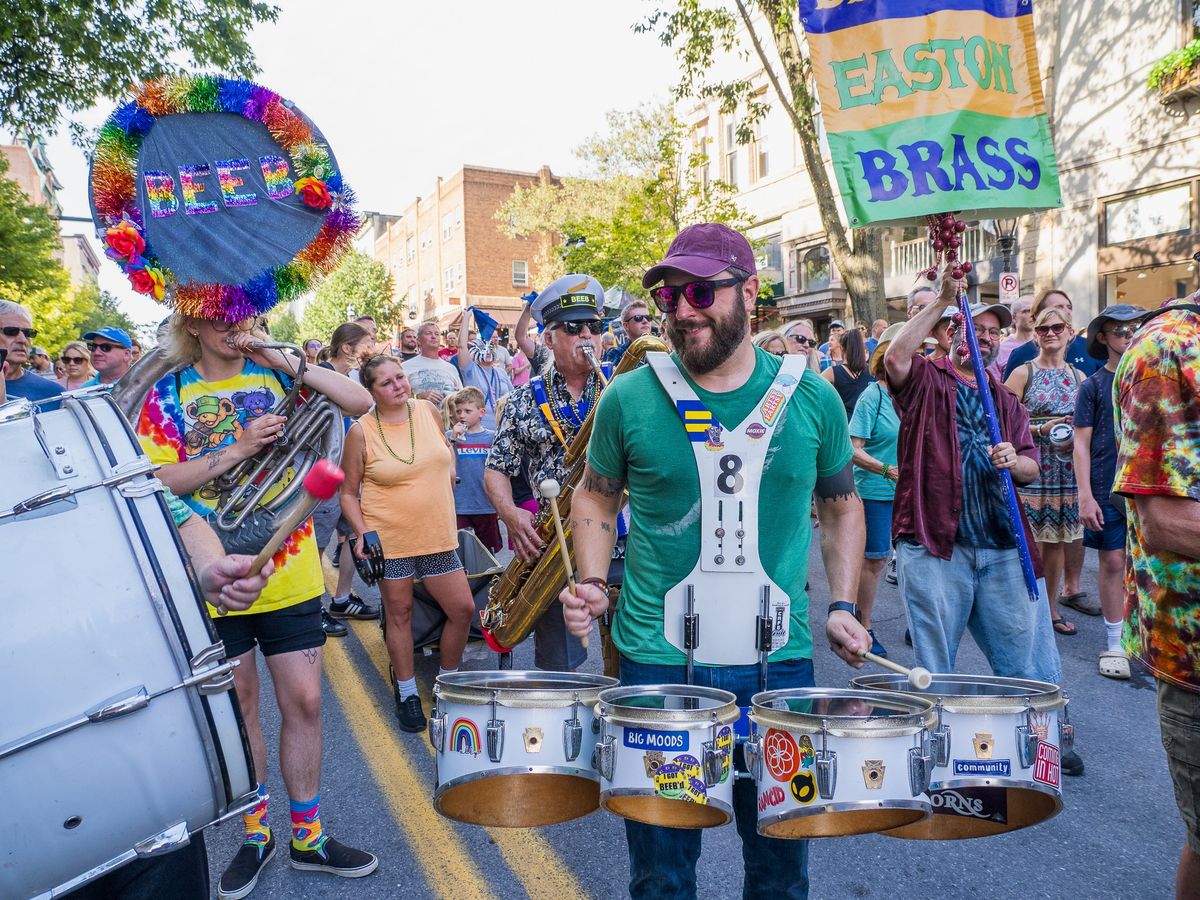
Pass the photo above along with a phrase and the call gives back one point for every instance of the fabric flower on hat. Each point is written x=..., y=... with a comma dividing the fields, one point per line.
x=124, y=241
x=149, y=281
x=314, y=193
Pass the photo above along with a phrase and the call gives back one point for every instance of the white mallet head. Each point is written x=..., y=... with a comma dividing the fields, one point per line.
x=549, y=488
x=919, y=678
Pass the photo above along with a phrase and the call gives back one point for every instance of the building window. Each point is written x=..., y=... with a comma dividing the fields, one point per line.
x=769, y=261
x=814, y=269
x=410, y=248
x=730, y=173
x=447, y=226
x=459, y=274
x=427, y=237
x=1148, y=215
x=448, y=279
x=759, y=161
x=700, y=158
x=1193, y=23
x=520, y=273
x=458, y=217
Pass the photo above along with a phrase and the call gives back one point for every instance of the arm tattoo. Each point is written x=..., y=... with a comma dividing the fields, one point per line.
x=604, y=526
x=605, y=487
x=839, y=486
x=214, y=458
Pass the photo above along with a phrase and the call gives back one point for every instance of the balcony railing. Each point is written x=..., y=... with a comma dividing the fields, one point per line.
x=911, y=257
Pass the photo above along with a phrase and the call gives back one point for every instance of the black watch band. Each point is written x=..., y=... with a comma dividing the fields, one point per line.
x=844, y=606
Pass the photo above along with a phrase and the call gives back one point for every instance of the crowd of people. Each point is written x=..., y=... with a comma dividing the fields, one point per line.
x=888, y=447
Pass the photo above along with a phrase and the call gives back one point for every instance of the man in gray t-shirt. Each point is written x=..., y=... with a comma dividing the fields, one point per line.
x=429, y=372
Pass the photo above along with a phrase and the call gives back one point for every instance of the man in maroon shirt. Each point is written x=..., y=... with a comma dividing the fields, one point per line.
x=956, y=551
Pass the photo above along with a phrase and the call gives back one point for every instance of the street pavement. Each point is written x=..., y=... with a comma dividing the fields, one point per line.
x=1118, y=836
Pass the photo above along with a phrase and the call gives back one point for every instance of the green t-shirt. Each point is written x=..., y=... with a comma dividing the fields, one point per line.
x=637, y=437
x=876, y=422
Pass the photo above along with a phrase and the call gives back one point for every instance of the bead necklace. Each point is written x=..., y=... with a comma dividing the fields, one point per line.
x=962, y=380
x=578, y=409
x=412, y=439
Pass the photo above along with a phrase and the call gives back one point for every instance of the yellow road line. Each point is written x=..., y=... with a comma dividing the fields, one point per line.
x=449, y=872
x=540, y=869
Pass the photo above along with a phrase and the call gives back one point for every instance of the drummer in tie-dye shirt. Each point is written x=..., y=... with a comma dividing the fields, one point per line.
x=198, y=422
x=1157, y=409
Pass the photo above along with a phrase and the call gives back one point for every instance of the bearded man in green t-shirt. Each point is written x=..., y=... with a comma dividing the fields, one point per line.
x=722, y=448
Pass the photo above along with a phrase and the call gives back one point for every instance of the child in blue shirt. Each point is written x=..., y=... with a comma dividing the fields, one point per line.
x=471, y=445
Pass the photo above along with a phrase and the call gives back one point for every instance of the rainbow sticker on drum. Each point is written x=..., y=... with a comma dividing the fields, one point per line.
x=464, y=737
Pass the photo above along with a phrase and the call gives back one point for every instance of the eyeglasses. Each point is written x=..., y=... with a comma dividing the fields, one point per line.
x=698, y=294
x=13, y=331
x=802, y=340
x=595, y=326
x=990, y=332
x=640, y=317
x=107, y=348
x=1056, y=328
x=221, y=327
x=1123, y=331
x=74, y=360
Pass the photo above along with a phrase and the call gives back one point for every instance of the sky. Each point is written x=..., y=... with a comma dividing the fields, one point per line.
x=407, y=91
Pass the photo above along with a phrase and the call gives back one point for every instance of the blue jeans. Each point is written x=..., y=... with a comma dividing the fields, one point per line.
x=662, y=861
x=982, y=590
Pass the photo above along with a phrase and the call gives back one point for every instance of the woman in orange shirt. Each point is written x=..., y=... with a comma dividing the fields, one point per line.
x=397, y=457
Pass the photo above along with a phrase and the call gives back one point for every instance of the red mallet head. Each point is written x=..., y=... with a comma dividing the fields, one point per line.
x=324, y=479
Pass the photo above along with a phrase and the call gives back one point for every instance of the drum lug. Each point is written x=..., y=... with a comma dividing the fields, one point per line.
x=1027, y=740
x=437, y=731
x=751, y=753
x=218, y=678
x=164, y=842
x=603, y=755
x=826, y=765
x=941, y=740
x=920, y=765
x=714, y=763
x=495, y=735
x=1066, y=731
x=573, y=734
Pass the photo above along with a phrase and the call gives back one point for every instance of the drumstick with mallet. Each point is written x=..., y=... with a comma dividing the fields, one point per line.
x=321, y=483
x=917, y=676
x=550, y=489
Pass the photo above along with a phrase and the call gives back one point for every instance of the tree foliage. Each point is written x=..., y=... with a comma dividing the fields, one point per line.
x=766, y=34
x=63, y=57
x=29, y=242
x=103, y=309
x=284, y=326
x=59, y=316
x=361, y=286
x=640, y=185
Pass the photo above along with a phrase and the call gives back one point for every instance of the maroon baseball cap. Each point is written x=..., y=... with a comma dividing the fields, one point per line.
x=704, y=250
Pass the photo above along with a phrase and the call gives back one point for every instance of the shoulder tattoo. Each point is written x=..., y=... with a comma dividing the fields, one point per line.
x=598, y=484
x=838, y=486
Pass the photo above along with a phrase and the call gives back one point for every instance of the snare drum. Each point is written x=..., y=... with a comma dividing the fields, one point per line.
x=515, y=748
x=120, y=734
x=997, y=753
x=665, y=754
x=832, y=762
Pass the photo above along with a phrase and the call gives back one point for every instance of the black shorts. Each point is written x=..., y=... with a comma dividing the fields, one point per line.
x=277, y=631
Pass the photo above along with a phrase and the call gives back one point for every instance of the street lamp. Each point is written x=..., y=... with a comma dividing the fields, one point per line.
x=1006, y=238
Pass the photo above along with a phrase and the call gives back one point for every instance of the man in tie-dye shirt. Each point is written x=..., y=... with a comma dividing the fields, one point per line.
x=199, y=422
x=1157, y=409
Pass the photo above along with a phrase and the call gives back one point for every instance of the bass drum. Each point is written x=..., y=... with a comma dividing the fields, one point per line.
x=120, y=734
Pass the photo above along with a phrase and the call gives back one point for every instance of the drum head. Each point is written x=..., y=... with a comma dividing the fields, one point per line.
x=519, y=801
x=651, y=810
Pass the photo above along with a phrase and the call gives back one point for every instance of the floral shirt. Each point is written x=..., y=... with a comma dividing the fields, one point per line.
x=1157, y=411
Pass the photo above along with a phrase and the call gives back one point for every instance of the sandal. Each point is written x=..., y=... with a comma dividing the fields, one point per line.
x=1076, y=602
x=1114, y=664
x=1062, y=626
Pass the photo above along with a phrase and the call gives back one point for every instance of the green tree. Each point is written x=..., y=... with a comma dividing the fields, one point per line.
x=638, y=188
x=59, y=316
x=284, y=326
x=699, y=33
x=361, y=286
x=65, y=56
x=29, y=242
x=103, y=310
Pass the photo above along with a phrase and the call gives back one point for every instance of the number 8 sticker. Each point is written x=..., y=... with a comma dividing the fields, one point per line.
x=729, y=477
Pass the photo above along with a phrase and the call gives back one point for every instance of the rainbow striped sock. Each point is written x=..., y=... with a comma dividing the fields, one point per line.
x=257, y=830
x=306, y=824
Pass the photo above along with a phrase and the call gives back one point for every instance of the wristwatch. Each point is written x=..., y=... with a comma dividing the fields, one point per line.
x=845, y=606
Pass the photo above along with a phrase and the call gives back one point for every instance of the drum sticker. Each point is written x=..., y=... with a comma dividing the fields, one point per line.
x=652, y=739
x=780, y=754
x=653, y=761
x=1039, y=723
x=724, y=745
x=772, y=796
x=681, y=779
x=872, y=770
x=771, y=405
x=697, y=420
x=804, y=787
x=985, y=768
x=533, y=740
x=983, y=745
x=1047, y=766
x=464, y=737
x=807, y=755
x=756, y=430
x=973, y=803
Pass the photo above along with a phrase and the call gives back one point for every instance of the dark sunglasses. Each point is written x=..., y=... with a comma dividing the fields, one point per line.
x=1056, y=328
x=13, y=331
x=698, y=294
x=1123, y=331
x=640, y=317
x=107, y=348
x=74, y=360
x=802, y=340
x=595, y=326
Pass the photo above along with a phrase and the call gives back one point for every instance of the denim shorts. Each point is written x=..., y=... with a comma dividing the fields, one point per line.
x=879, y=528
x=1112, y=536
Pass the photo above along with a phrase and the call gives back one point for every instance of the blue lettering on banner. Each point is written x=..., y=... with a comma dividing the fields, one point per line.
x=993, y=768
x=651, y=739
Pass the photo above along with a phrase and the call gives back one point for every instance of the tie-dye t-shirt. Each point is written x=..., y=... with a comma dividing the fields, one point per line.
x=1157, y=410
x=185, y=417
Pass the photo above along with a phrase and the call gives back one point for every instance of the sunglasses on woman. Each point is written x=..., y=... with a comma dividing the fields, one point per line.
x=13, y=331
x=74, y=360
x=698, y=294
x=1056, y=328
x=595, y=326
x=802, y=340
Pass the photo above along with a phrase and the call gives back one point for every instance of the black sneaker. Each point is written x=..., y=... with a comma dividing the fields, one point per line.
x=332, y=626
x=353, y=608
x=1072, y=763
x=336, y=859
x=241, y=875
x=410, y=714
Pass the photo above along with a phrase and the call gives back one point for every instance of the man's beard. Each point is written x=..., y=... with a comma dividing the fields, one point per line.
x=728, y=332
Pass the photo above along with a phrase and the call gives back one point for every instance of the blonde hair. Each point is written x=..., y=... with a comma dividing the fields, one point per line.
x=765, y=337
x=181, y=348
x=1036, y=309
x=448, y=409
x=470, y=394
x=83, y=351
x=1046, y=315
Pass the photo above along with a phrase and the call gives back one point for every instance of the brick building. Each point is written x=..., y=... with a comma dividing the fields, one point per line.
x=446, y=251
